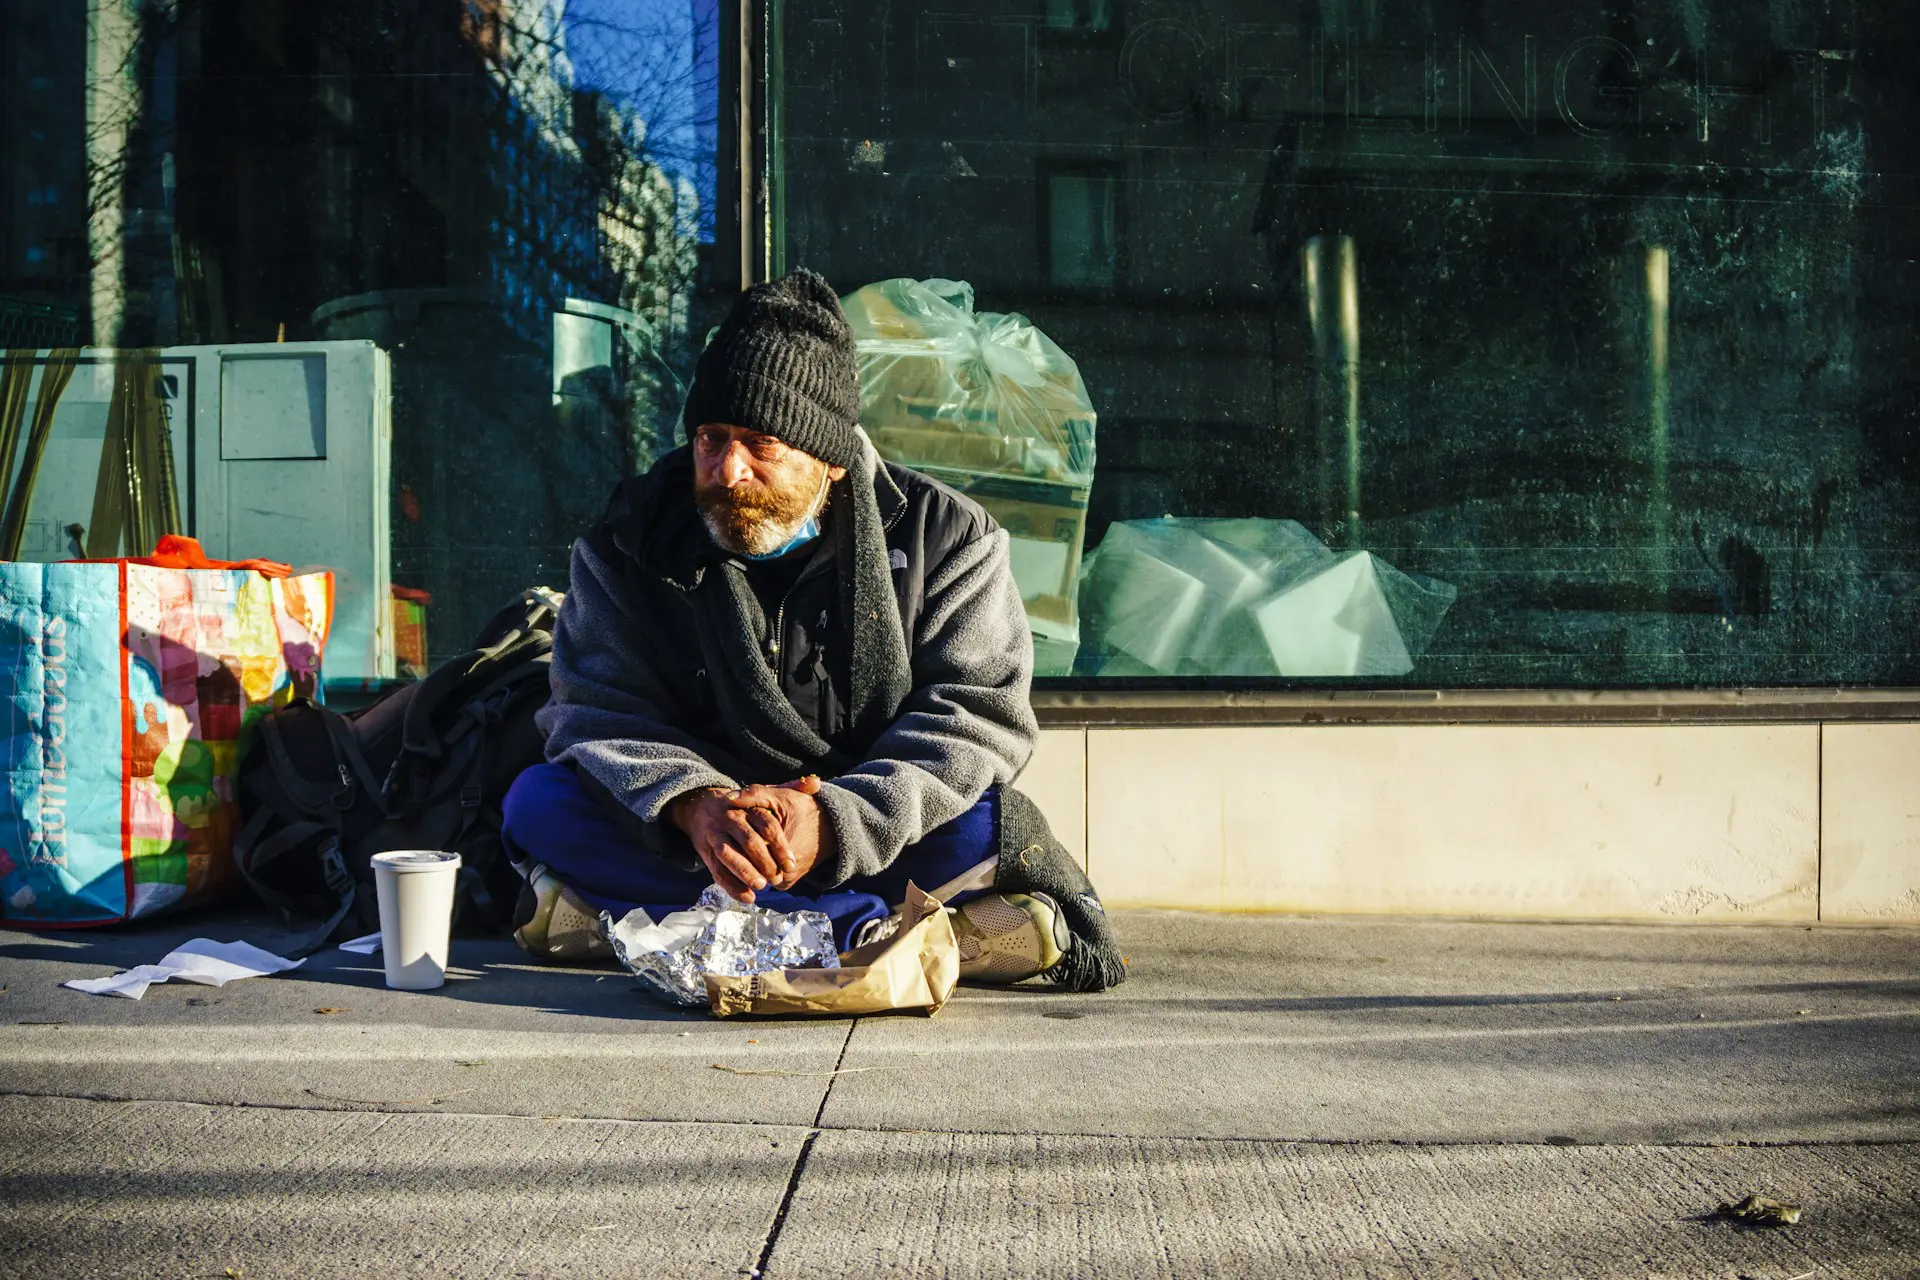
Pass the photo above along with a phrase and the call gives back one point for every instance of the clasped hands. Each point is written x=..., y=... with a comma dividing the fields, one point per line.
x=758, y=837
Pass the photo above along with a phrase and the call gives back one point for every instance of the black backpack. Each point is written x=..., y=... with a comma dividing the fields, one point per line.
x=425, y=767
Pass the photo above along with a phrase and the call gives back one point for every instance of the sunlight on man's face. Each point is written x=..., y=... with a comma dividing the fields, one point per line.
x=754, y=491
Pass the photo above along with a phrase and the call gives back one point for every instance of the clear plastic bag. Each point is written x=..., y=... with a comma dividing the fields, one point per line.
x=1357, y=617
x=990, y=405
x=944, y=387
x=1248, y=598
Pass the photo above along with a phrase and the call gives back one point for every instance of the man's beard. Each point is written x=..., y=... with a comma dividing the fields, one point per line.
x=756, y=520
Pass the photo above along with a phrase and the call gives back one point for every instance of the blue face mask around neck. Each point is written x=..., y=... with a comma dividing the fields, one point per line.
x=809, y=530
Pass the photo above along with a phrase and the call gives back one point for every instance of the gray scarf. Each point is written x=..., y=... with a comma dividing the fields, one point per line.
x=767, y=734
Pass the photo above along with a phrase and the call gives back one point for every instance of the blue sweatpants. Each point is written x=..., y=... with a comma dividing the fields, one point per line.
x=552, y=819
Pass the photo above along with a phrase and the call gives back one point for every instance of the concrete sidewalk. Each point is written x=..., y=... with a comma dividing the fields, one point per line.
x=1267, y=1096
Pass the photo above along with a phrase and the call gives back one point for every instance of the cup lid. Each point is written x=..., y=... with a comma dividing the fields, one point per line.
x=417, y=860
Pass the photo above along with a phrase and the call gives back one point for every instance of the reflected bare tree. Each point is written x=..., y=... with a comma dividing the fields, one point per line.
x=437, y=176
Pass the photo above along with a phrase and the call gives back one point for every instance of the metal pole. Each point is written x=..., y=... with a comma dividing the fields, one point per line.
x=745, y=98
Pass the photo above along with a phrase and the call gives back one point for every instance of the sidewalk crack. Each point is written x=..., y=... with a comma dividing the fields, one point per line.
x=799, y=1170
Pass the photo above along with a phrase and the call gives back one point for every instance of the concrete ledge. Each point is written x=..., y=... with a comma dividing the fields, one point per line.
x=1870, y=822
x=1136, y=704
x=1730, y=821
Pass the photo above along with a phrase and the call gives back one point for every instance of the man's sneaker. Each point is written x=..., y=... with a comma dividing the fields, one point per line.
x=553, y=923
x=1005, y=937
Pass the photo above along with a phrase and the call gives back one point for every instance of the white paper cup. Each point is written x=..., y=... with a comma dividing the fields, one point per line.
x=415, y=888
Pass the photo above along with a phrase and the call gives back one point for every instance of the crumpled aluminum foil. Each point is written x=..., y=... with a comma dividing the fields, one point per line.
x=720, y=935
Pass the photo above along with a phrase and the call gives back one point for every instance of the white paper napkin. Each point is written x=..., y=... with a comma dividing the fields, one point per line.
x=209, y=963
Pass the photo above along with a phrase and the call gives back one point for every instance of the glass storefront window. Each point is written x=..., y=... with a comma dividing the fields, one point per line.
x=1471, y=344
x=514, y=201
x=1592, y=328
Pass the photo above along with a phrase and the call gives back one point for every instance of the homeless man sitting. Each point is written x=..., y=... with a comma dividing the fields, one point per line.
x=791, y=669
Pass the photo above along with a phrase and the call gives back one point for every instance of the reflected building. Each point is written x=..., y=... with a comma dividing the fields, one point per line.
x=422, y=175
x=43, y=191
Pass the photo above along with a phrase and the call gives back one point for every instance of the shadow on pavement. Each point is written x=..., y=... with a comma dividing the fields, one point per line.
x=482, y=971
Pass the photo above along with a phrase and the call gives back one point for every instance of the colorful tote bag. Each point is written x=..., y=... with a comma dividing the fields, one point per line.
x=131, y=691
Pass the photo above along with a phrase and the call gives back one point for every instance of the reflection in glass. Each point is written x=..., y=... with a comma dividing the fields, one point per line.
x=1330, y=279
x=443, y=180
x=1082, y=251
x=1639, y=375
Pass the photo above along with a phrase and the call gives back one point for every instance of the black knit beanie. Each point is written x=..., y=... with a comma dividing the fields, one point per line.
x=782, y=363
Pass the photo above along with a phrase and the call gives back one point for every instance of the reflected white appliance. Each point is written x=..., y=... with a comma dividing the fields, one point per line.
x=282, y=452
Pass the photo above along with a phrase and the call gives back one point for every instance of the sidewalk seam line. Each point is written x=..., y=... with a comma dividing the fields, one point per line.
x=1700, y=1144
x=800, y=1163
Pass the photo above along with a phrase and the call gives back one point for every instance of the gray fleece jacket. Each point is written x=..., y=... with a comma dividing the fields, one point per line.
x=633, y=709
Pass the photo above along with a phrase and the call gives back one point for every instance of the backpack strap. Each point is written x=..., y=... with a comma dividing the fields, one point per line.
x=253, y=853
x=321, y=809
x=468, y=734
x=475, y=886
x=307, y=795
x=533, y=632
x=349, y=762
x=488, y=708
x=352, y=763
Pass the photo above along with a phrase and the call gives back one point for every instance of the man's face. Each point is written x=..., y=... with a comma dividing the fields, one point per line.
x=753, y=490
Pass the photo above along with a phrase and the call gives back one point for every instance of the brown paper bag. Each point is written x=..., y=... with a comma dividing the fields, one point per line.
x=917, y=968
